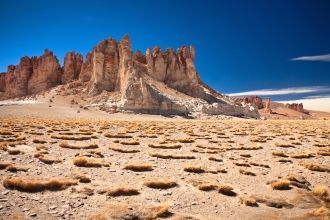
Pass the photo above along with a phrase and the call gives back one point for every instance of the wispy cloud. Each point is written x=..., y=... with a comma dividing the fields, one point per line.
x=284, y=91
x=324, y=58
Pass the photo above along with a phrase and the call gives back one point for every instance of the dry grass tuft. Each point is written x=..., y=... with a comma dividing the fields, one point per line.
x=136, y=212
x=35, y=185
x=226, y=190
x=215, y=159
x=122, y=191
x=279, y=154
x=108, y=135
x=4, y=164
x=240, y=164
x=317, y=167
x=248, y=201
x=194, y=169
x=68, y=137
x=82, y=161
x=16, y=168
x=246, y=172
x=245, y=155
x=302, y=156
x=160, y=183
x=48, y=159
x=172, y=156
x=81, y=177
x=83, y=190
x=207, y=186
x=130, y=143
x=139, y=167
x=281, y=184
x=14, y=151
x=272, y=202
x=284, y=145
x=187, y=140
x=162, y=146
x=322, y=212
x=259, y=165
x=39, y=141
x=321, y=191
x=124, y=150
x=72, y=146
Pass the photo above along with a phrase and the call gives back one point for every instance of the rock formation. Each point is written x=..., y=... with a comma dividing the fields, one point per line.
x=157, y=82
x=267, y=106
x=295, y=106
x=72, y=66
x=254, y=100
x=31, y=76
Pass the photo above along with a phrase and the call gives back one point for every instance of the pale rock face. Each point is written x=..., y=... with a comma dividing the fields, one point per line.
x=46, y=73
x=232, y=110
x=72, y=66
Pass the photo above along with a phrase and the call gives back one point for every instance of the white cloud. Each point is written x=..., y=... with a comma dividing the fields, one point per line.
x=318, y=104
x=324, y=58
x=284, y=91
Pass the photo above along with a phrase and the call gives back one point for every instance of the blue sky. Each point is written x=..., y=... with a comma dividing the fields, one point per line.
x=241, y=46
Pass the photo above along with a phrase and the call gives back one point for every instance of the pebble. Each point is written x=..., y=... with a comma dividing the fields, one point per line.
x=194, y=203
x=1, y=207
x=25, y=209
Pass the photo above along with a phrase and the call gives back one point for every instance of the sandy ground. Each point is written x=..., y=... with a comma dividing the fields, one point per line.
x=217, y=168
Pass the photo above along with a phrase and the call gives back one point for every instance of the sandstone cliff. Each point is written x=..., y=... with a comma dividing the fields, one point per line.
x=72, y=66
x=157, y=82
x=254, y=100
x=295, y=106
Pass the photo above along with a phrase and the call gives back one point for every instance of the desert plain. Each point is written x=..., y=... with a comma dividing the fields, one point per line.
x=94, y=165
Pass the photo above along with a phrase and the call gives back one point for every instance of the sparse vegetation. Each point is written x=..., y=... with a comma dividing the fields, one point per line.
x=139, y=167
x=34, y=185
x=160, y=183
x=82, y=161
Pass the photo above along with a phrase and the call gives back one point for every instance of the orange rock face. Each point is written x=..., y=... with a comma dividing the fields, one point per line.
x=156, y=82
x=295, y=106
x=31, y=76
x=267, y=106
x=72, y=66
x=254, y=100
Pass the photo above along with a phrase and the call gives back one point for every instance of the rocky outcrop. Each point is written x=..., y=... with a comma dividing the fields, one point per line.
x=86, y=68
x=16, y=78
x=72, y=66
x=46, y=73
x=267, y=106
x=295, y=106
x=157, y=82
x=31, y=76
x=254, y=100
x=231, y=110
x=2, y=82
